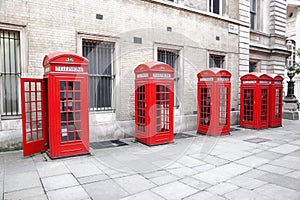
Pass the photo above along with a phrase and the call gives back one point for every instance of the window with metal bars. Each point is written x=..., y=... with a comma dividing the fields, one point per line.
x=216, y=61
x=10, y=72
x=170, y=57
x=100, y=70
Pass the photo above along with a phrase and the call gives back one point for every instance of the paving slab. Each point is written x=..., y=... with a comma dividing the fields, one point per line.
x=195, y=183
x=204, y=195
x=146, y=195
x=70, y=193
x=222, y=188
x=106, y=189
x=182, y=171
x=59, y=181
x=246, y=182
x=295, y=153
x=21, y=181
x=134, y=183
x=288, y=161
x=189, y=161
x=285, y=148
x=174, y=190
x=294, y=174
x=204, y=168
x=25, y=194
x=222, y=173
x=164, y=179
x=81, y=169
x=254, y=173
x=297, y=142
x=269, y=155
x=20, y=166
x=277, y=192
x=93, y=178
x=229, y=156
x=214, y=160
x=46, y=169
x=274, y=169
x=246, y=194
x=252, y=161
x=281, y=180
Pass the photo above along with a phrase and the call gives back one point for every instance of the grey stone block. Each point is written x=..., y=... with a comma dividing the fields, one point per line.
x=281, y=180
x=59, y=181
x=21, y=181
x=29, y=193
x=277, y=192
x=174, y=190
x=70, y=193
x=134, y=183
x=107, y=189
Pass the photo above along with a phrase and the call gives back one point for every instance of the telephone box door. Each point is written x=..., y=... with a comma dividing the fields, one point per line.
x=205, y=107
x=34, y=123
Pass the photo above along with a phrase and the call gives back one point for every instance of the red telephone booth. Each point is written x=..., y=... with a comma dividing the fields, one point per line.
x=255, y=100
x=55, y=108
x=276, y=89
x=214, y=102
x=154, y=103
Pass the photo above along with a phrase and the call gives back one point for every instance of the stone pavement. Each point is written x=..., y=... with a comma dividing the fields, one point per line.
x=248, y=164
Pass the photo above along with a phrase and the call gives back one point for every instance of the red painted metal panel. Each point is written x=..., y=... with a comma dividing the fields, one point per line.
x=214, y=90
x=276, y=90
x=68, y=104
x=255, y=100
x=154, y=103
x=34, y=116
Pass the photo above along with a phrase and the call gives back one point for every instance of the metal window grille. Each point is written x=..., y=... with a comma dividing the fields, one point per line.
x=170, y=57
x=10, y=72
x=216, y=61
x=100, y=70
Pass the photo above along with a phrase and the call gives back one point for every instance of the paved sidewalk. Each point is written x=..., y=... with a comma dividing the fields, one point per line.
x=248, y=164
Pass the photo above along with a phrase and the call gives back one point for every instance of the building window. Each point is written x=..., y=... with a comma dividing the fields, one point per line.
x=252, y=14
x=253, y=67
x=217, y=6
x=100, y=70
x=216, y=61
x=170, y=57
x=291, y=45
x=10, y=72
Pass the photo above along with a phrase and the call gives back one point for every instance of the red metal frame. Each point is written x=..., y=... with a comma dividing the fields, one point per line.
x=62, y=127
x=255, y=100
x=154, y=103
x=34, y=120
x=214, y=90
x=276, y=90
x=66, y=75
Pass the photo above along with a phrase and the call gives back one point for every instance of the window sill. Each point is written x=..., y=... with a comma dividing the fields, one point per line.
x=11, y=117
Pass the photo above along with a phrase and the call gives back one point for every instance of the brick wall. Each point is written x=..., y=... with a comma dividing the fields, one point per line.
x=50, y=26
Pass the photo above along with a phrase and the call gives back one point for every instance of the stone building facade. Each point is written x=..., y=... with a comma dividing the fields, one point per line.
x=118, y=35
x=293, y=36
